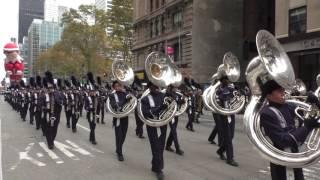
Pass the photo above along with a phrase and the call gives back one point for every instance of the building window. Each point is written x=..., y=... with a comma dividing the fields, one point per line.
x=151, y=5
x=159, y=26
x=297, y=20
x=163, y=2
x=177, y=20
x=157, y=4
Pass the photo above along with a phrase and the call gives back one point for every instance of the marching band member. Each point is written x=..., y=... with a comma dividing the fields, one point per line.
x=137, y=91
x=191, y=110
x=153, y=105
x=117, y=101
x=225, y=94
x=277, y=120
x=37, y=104
x=32, y=99
x=173, y=136
x=91, y=103
x=101, y=101
x=67, y=102
x=52, y=101
x=75, y=104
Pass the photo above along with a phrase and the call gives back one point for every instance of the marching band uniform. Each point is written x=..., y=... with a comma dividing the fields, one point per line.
x=216, y=129
x=173, y=136
x=24, y=101
x=277, y=120
x=225, y=94
x=75, y=104
x=32, y=99
x=90, y=107
x=117, y=101
x=101, y=102
x=52, y=101
x=37, y=104
x=137, y=90
x=153, y=105
x=191, y=110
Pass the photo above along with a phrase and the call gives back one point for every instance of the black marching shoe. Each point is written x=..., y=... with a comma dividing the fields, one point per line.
x=169, y=149
x=102, y=122
x=160, y=175
x=212, y=142
x=141, y=136
x=74, y=130
x=120, y=157
x=68, y=125
x=180, y=152
x=51, y=146
x=232, y=163
x=221, y=156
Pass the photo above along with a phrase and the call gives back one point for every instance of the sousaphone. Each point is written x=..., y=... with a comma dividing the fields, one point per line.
x=123, y=73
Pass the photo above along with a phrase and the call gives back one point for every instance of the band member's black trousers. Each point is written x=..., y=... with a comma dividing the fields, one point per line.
x=52, y=129
x=24, y=111
x=74, y=121
x=278, y=172
x=37, y=117
x=120, y=132
x=31, y=113
x=139, y=123
x=92, y=124
x=100, y=108
x=157, y=146
x=191, y=116
x=227, y=133
x=80, y=109
x=173, y=136
x=216, y=129
x=68, y=116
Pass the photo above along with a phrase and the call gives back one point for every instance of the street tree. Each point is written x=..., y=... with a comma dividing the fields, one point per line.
x=85, y=33
x=120, y=21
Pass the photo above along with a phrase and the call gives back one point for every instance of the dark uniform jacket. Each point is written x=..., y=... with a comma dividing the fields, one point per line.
x=117, y=100
x=152, y=105
x=282, y=131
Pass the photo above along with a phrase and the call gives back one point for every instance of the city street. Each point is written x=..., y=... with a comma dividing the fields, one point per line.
x=25, y=154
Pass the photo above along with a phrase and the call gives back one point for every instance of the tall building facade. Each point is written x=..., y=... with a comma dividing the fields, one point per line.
x=196, y=33
x=42, y=35
x=297, y=27
x=163, y=26
x=103, y=4
x=51, y=12
x=61, y=11
x=29, y=10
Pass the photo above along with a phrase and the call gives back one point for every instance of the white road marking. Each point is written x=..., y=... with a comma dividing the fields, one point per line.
x=53, y=155
x=65, y=149
x=85, y=128
x=39, y=154
x=24, y=155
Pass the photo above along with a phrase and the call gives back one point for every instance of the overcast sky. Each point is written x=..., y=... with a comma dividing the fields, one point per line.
x=9, y=22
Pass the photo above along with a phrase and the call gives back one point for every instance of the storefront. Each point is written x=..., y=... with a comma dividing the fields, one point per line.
x=305, y=58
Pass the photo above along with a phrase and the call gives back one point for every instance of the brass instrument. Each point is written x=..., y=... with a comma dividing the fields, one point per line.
x=231, y=69
x=273, y=63
x=161, y=72
x=125, y=76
